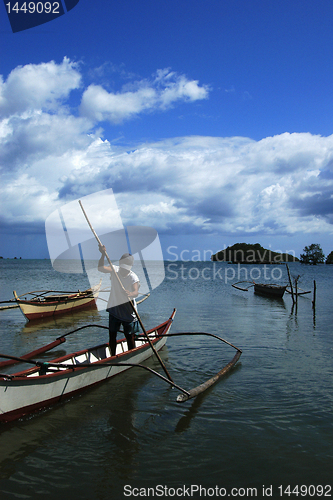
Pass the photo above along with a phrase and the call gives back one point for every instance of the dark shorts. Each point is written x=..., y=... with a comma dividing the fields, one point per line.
x=129, y=328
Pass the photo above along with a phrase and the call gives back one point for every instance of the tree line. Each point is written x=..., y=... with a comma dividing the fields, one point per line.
x=313, y=254
x=245, y=253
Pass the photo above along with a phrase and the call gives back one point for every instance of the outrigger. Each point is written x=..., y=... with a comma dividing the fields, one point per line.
x=47, y=383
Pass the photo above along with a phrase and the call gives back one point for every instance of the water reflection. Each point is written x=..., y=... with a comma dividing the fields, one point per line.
x=69, y=320
x=185, y=421
x=274, y=302
x=108, y=410
x=121, y=434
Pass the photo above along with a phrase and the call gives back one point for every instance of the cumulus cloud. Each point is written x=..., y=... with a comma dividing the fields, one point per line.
x=35, y=122
x=50, y=155
x=38, y=86
x=160, y=93
x=35, y=136
x=45, y=143
x=205, y=184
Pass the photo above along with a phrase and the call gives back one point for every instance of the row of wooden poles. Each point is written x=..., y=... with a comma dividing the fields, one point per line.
x=294, y=294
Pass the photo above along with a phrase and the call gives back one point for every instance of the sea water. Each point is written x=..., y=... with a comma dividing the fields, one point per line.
x=265, y=430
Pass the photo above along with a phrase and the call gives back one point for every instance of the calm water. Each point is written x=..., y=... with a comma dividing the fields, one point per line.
x=269, y=423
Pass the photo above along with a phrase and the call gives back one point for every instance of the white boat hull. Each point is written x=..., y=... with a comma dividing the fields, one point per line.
x=33, y=310
x=29, y=391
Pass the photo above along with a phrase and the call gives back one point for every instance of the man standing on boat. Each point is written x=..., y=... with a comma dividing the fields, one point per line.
x=119, y=309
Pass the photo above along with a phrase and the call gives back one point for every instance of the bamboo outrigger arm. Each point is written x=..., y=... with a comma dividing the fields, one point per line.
x=146, y=295
x=243, y=289
x=203, y=387
x=13, y=360
x=303, y=292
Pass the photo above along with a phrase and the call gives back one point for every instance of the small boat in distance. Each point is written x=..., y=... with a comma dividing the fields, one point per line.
x=266, y=289
x=270, y=290
x=46, y=303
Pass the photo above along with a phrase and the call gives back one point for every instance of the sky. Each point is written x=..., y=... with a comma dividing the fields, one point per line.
x=211, y=121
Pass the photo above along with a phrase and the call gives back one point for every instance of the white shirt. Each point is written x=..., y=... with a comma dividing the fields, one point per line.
x=118, y=304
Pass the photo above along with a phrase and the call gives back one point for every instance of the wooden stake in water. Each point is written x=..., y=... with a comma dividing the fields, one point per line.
x=291, y=284
x=314, y=294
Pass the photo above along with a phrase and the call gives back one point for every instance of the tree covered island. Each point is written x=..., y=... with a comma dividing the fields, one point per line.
x=245, y=253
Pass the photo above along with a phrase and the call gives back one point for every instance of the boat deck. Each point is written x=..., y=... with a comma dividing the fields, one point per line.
x=89, y=356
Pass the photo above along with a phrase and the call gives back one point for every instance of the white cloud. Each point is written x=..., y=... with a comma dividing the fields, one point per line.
x=233, y=185
x=99, y=105
x=161, y=93
x=35, y=135
x=48, y=156
x=38, y=86
x=25, y=199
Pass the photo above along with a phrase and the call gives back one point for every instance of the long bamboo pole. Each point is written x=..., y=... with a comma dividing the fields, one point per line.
x=130, y=301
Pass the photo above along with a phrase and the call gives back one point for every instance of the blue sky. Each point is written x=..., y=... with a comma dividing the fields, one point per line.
x=211, y=121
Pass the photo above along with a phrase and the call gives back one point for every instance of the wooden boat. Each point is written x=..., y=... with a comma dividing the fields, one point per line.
x=267, y=289
x=46, y=303
x=270, y=290
x=47, y=383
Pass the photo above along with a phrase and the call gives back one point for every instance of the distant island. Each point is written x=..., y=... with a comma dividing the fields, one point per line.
x=245, y=253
